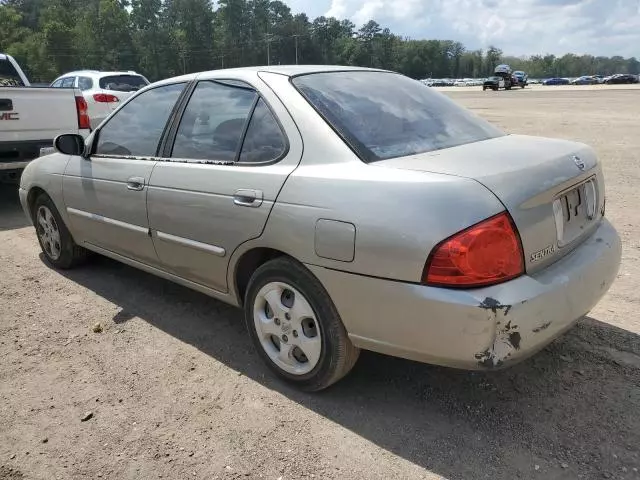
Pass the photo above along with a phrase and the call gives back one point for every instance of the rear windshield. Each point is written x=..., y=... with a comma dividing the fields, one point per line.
x=123, y=83
x=387, y=115
x=8, y=75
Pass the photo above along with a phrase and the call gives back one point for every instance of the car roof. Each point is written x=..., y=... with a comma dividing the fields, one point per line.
x=98, y=73
x=287, y=70
x=293, y=70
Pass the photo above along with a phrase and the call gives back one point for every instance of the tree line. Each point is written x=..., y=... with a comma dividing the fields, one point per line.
x=164, y=38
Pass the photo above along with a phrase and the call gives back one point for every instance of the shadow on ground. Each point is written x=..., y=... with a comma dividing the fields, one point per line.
x=573, y=410
x=11, y=214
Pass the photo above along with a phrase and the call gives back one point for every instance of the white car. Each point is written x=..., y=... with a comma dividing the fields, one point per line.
x=103, y=91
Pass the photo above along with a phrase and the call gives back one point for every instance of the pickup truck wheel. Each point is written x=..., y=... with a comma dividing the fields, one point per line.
x=295, y=326
x=54, y=237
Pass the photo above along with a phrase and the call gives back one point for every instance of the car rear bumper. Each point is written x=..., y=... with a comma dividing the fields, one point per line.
x=480, y=328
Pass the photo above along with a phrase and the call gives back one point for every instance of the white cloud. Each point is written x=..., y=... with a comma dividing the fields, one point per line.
x=600, y=27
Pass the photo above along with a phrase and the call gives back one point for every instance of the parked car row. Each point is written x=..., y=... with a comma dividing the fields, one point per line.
x=620, y=78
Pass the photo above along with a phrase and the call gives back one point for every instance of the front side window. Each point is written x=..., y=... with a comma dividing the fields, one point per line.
x=9, y=76
x=385, y=115
x=214, y=121
x=57, y=83
x=137, y=127
x=68, y=82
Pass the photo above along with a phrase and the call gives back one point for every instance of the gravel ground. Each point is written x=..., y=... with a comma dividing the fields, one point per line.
x=173, y=389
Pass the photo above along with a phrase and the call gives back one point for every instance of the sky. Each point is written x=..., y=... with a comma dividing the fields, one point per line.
x=518, y=27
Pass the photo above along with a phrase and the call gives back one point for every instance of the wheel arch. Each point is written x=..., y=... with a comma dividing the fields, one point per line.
x=34, y=192
x=248, y=262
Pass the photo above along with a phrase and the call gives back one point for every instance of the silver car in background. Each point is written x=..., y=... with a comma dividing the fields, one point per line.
x=343, y=209
x=103, y=91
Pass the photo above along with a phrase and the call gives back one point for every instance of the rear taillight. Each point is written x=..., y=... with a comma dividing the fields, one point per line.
x=487, y=253
x=83, y=115
x=105, y=98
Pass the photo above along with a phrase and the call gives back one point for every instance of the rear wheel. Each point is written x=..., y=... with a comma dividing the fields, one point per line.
x=295, y=326
x=54, y=237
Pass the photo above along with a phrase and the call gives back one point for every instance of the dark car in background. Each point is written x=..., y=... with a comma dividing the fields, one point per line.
x=622, y=78
x=522, y=77
x=493, y=83
x=556, y=81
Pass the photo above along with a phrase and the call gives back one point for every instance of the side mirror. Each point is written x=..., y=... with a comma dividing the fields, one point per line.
x=70, y=144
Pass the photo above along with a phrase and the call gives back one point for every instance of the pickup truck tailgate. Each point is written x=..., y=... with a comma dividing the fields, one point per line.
x=36, y=114
x=30, y=118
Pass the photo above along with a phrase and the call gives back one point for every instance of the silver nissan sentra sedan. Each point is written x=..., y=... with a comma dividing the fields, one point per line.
x=343, y=209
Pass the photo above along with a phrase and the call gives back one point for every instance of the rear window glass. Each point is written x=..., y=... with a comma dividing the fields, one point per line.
x=387, y=115
x=9, y=77
x=123, y=83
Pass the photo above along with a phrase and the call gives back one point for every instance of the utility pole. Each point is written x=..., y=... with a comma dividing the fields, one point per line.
x=269, y=40
x=296, y=40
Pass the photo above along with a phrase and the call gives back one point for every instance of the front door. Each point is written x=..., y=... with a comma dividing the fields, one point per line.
x=106, y=193
x=229, y=160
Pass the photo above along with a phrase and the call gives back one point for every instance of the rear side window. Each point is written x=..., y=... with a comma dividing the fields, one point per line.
x=214, y=121
x=9, y=77
x=85, y=83
x=137, y=127
x=386, y=115
x=123, y=83
x=264, y=141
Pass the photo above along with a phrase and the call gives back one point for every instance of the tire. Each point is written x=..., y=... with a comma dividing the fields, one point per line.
x=495, y=89
x=55, y=240
x=484, y=88
x=317, y=326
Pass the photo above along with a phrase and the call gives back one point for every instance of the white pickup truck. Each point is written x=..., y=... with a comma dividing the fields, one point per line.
x=30, y=117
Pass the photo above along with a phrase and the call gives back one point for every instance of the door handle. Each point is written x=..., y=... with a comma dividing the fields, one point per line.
x=136, y=183
x=248, y=198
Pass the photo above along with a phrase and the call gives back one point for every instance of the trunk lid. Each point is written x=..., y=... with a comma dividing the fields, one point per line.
x=553, y=189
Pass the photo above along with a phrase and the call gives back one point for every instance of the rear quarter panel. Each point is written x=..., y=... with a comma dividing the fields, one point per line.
x=399, y=216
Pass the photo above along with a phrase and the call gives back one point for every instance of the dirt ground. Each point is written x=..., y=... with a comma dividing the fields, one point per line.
x=175, y=390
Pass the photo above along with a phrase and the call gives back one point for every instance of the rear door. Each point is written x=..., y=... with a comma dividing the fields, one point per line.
x=228, y=158
x=106, y=193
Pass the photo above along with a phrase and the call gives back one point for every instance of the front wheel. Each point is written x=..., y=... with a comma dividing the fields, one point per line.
x=54, y=237
x=295, y=326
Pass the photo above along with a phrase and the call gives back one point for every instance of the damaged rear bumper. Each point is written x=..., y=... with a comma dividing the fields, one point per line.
x=480, y=328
